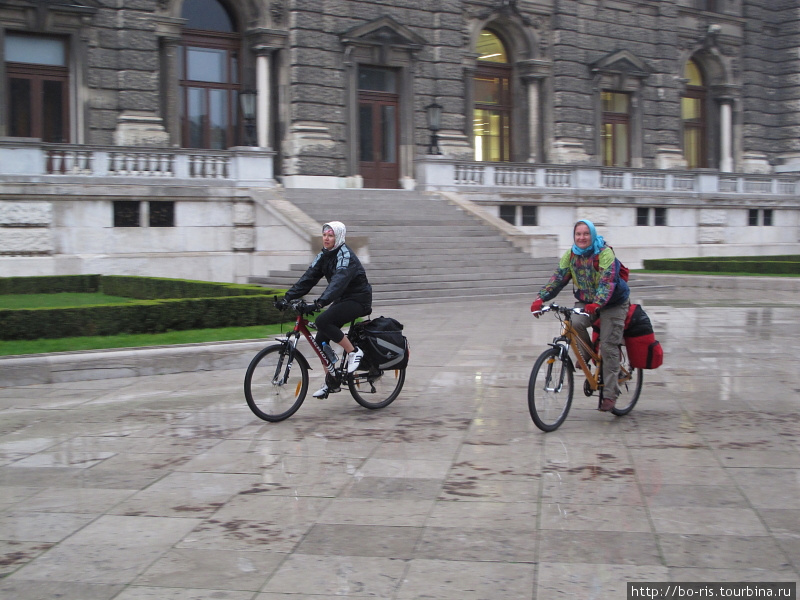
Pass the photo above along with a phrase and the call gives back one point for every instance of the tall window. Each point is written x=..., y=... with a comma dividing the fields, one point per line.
x=693, y=116
x=616, y=129
x=38, y=78
x=492, y=113
x=209, y=74
x=708, y=5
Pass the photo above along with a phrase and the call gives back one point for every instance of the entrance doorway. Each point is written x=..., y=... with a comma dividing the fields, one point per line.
x=378, y=104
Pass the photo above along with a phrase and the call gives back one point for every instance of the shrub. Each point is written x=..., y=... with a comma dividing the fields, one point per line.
x=53, y=284
x=168, y=304
x=764, y=265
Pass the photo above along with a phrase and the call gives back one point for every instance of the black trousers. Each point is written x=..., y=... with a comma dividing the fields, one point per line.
x=330, y=322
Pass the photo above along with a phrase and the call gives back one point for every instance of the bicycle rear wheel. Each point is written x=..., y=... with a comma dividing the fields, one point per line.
x=274, y=387
x=375, y=388
x=630, y=386
x=550, y=390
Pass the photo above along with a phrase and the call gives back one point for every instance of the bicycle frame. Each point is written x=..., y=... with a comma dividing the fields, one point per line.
x=569, y=335
x=301, y=328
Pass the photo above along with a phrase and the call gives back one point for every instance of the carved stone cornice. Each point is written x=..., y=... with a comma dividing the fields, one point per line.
x=535, y=68
x=266, y=40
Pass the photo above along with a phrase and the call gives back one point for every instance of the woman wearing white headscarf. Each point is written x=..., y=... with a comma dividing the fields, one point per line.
x=349, y=293
x=594, y=270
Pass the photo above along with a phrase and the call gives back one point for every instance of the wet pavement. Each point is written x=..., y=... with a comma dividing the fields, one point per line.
x=167, y=487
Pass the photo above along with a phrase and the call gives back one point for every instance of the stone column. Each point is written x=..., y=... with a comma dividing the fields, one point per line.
x=263, y=105
x=726, y=137
x=534, y=74
x=534, y=119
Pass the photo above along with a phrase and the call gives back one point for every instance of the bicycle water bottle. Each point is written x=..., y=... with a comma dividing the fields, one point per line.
x=329, y=353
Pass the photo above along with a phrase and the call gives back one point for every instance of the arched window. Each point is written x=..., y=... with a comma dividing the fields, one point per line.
x=693, y=117
x=493, y=101
x=209, y=75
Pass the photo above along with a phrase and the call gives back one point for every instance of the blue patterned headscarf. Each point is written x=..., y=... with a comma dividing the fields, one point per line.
x=597, y=240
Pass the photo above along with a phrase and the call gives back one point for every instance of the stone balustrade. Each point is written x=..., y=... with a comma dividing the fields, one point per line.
x=19, y=156
x=441, y=173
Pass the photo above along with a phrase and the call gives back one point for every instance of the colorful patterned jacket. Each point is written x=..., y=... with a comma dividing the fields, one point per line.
x=601, y=285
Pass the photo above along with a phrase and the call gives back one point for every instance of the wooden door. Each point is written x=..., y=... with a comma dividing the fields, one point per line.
x=378, y=133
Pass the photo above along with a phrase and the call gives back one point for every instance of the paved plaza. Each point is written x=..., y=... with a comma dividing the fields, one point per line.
x=166, y=487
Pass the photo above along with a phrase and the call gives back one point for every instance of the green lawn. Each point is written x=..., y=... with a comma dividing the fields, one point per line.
x=13, y=347
x=58, y=300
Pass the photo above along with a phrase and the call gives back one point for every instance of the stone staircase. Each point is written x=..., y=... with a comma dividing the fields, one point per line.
x=421, y=248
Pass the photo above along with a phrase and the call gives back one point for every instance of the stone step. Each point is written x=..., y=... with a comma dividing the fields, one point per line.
x=420, y=246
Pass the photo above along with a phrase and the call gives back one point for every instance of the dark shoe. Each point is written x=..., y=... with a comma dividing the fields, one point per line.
x=607, y=404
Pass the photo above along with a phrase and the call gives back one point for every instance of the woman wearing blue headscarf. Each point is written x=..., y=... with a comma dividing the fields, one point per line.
x=592, y=267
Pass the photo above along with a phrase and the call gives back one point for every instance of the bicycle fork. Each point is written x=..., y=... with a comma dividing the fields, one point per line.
x=285, y=362
x=549, y=384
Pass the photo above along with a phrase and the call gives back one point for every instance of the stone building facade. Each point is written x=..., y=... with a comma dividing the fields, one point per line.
x=199, y=101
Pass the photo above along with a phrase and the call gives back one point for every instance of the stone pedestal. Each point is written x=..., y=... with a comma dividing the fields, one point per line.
x=140, y=129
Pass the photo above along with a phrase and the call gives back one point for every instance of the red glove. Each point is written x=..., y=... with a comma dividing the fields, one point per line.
x=536, y=307
x=591, y=308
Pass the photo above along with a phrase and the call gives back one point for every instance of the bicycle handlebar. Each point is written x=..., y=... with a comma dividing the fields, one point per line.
x=298, y=305
x=564, y=310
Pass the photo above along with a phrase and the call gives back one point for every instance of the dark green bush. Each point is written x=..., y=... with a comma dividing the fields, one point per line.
x=174, y=307
x=764, y=265
x=50, y=284
x=152, y=288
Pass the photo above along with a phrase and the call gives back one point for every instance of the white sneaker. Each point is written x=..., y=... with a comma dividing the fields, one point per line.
x=321, y=392
x=354, y=359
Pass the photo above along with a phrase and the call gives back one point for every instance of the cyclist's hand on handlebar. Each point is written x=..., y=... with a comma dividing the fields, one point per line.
x=536, y=307
x=281, y=304
x=591, y=308
x=312, y=307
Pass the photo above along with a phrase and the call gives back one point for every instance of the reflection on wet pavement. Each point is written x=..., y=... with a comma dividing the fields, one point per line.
x=167, y=487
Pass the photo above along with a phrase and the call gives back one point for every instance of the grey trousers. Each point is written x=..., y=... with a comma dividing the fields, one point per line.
x=612, y=324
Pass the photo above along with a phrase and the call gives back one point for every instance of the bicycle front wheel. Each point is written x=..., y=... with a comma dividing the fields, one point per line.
x=550, y=390
x=274, y=386
x=375, y=388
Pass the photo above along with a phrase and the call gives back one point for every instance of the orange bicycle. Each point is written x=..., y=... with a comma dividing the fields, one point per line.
x=551, y=386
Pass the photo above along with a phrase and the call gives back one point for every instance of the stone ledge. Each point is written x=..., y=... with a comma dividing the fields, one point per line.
x=60, y=367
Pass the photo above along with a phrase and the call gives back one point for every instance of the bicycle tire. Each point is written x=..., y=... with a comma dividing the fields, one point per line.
x=550, y=390
x=629, y=389
x=375, y=388
x=272, y=401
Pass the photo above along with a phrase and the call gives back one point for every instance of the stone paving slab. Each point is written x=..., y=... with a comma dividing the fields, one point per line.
x=165, y=486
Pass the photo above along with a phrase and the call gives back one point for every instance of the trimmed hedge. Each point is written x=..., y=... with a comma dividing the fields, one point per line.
x=54, y=284
x=763, y=265
x=215, y=305
x=153, y=288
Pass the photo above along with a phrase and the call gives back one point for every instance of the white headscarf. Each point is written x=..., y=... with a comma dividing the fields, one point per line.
x=339, y=230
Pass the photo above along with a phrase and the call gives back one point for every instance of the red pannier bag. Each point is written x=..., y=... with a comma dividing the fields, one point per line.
x=644, y=350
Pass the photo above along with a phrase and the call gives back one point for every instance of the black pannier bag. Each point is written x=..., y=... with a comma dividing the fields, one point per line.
x=644, y=351
x=383, y=343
